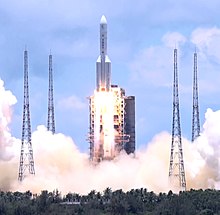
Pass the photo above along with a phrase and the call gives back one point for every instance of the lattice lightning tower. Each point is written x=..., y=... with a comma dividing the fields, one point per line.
x=195, y=114
x=50, y=119
x=176, y=169
x=26, y=157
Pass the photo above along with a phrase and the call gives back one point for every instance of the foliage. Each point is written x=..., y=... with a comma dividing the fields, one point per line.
x=135, y=201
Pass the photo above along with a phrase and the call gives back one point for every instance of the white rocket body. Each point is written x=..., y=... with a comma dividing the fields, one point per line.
x=103, y=63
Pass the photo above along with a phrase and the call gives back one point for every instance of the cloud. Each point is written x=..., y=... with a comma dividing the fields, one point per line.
x=174, y=40
x=154, y=64
x=149, y=67
x=71, y=102
x=207, y=40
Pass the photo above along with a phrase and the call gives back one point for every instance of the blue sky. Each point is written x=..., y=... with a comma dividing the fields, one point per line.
x=141, y=38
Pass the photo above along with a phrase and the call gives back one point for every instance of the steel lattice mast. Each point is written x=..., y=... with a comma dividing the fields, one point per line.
x=26, y=157
x=50, y=119
x=195, y=114
x=176, y=169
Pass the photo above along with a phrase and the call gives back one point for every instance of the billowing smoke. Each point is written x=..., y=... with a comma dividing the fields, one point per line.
x=8, y=144
x=207, y=154
x=7, y=99
x=60, y=165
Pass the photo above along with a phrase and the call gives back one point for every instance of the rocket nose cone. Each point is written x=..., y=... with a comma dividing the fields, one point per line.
x=103, y=20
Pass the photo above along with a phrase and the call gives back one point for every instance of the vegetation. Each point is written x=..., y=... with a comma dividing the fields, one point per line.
x=135, y=201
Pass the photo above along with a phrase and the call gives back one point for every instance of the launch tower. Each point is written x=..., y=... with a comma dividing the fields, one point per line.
x=176, y=169
x=195, y=114
x=26, y=157
x=112, y=113
x=50, y=116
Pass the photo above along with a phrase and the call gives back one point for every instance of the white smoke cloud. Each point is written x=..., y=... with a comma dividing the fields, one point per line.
x=208, y=146
x=8, y=144
x=207, y=40
x=60, y=165
x=71, y=102
x=174, y=39
x=143, y=67
x=7, y=99
x=145, y=71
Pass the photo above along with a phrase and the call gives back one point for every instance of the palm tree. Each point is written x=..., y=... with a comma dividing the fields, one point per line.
x=107, y=194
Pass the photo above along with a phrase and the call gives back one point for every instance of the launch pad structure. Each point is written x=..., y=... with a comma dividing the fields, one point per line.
x=111, y=112
x=195, y=109
x=50, y=114
x=176, y=167
x=26, y=165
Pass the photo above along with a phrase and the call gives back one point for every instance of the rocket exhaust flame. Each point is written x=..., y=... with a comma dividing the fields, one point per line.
x=107, y=119
x=104, y=125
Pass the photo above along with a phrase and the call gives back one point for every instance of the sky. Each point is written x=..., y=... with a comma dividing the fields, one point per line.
x=141, y=37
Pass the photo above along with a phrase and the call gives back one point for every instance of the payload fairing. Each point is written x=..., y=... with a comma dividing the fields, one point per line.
x=112, y=114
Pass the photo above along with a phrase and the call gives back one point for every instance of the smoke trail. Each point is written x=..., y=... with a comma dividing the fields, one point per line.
x=59, y=164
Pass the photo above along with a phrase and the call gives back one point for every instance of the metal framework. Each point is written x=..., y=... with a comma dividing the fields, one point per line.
x=50, y=117
x=176, y=169
x=26, y=157
x=120, y=138
x=195, y=114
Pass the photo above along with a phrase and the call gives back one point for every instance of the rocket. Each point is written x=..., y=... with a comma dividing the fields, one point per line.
x=103, y=63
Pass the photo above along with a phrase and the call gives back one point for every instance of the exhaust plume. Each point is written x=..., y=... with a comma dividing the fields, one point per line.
x=60, y=165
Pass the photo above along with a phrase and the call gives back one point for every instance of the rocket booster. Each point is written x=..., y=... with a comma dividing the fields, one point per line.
x=103, y=63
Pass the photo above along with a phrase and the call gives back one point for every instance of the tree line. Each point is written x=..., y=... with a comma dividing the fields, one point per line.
x=136, y=201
